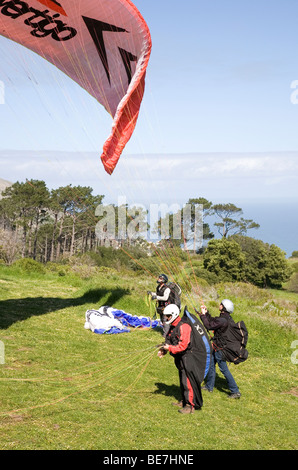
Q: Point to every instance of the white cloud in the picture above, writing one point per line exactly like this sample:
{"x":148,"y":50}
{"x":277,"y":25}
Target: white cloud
{"x":162,"y":177}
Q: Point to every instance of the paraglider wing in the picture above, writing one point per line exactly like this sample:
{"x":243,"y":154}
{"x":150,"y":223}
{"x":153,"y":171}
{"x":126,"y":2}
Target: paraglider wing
{"x":103,"y":45}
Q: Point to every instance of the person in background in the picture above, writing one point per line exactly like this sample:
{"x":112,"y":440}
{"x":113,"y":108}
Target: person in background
{"x":219,"y":325}
{"x":164,"y":297}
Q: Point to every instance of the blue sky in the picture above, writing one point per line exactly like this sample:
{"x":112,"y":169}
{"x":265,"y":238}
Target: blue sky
{"x":218,"y":81}
{"x":216,"y":121}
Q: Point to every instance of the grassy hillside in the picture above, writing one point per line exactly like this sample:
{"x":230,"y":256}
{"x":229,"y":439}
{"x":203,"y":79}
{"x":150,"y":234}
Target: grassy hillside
{"x":64,"y":387}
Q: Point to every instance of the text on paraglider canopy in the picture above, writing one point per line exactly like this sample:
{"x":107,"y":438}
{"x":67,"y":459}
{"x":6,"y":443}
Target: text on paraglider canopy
{"x":42,"y":23}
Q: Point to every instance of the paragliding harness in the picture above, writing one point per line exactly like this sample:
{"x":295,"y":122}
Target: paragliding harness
{"x":232,"y":342}
{"x":201,"y":341}
{"x":175,"y":294}
{"x":174,"y":297}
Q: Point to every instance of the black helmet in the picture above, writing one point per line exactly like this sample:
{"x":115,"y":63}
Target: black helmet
{"x":162,"y":278}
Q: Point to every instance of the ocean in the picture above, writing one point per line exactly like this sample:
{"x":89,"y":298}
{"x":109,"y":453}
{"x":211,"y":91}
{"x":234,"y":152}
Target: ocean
{"x":278,"y":223}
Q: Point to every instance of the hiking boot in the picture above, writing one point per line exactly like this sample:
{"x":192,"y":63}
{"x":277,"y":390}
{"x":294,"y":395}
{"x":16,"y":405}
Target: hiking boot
{"x":187,"y":409}
{"x":207,"y":389}
{"x":235,"y":395}
{"x":178,"y":403}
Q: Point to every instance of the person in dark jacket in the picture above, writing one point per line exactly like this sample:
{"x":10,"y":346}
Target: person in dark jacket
{"x":179,"y":344}
{"x":164,"y":297}
{"x":219,"y":325}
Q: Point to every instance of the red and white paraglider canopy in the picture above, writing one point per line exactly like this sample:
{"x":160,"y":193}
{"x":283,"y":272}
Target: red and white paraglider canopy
{"x":103,"y":45}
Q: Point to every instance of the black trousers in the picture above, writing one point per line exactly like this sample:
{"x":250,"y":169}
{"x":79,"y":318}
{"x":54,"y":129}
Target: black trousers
{"x":190,"y":385}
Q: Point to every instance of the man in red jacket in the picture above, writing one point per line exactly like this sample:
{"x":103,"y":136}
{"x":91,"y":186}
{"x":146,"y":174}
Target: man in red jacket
{"x":180,"y":345}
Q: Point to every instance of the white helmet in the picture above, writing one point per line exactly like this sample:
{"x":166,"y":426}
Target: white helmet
{"x":172,"y":310}
{"x":228,"y":305}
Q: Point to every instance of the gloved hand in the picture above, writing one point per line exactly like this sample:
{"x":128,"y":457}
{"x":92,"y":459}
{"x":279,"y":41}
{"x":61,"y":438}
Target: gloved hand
{"x":163,"y":350}
{"x":153,"y":295}
{"x":204,"y":310}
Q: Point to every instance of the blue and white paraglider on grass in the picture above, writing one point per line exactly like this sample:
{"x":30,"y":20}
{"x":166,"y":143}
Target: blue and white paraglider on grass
{"x":113,"y":321}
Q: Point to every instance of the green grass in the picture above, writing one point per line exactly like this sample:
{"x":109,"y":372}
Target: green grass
{"x":63,"y":387}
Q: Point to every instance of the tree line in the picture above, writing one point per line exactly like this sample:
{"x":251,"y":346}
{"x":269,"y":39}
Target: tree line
{"x":48,"y":225}
{"x":45,"y":225}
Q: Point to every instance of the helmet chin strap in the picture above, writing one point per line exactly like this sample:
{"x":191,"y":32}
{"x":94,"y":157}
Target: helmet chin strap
{"x":169,"y":320}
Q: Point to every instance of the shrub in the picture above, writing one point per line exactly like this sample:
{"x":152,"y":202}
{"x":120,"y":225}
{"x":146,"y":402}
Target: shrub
{"x":29,"y":265}
{"x":209,"y":277}
{"x":293,"y":283}
{"x":225,"y":259}
{"x":294,"y":267}
{"x":60,"y":269}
